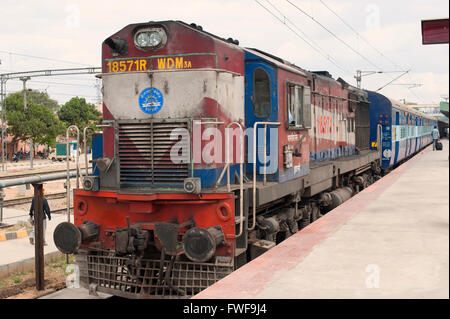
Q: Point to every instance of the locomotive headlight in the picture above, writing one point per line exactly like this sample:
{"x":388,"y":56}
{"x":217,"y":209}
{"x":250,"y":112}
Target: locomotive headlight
{"x":143,"y":39}
{"x":152,"y":38}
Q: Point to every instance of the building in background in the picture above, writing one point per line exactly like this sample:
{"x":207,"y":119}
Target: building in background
{"x":429,"y":109}
{"x":444,"y":108}
{"x":14,"y":147}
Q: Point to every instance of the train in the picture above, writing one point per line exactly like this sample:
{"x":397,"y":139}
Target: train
{"x":211,"y":154}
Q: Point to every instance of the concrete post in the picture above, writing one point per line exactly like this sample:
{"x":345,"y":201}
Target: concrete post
{"x":39,"y":235}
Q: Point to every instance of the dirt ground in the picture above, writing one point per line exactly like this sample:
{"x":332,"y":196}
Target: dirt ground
{"x":22,"y":285}
{"x":20,"y":226}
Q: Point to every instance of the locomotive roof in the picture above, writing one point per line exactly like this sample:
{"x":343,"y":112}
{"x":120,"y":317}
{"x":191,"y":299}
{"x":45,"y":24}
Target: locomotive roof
{"x":277,"y":61}
{"x":361,"y":95}
{"x":193,"y":26}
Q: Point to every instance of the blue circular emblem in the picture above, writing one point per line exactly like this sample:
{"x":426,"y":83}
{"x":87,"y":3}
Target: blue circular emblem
{"x":151,"y":100}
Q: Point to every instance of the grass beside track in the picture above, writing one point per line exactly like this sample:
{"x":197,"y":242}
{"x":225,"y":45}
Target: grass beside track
{"x":23,"y":285}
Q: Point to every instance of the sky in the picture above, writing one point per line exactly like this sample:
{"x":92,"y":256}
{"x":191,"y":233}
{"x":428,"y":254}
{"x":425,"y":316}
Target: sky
{"x":339,"y":36}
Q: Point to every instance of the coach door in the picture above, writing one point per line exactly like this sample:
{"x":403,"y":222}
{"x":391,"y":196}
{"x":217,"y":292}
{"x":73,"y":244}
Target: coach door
{"x":261,"y":106}
{"x":398,"y":136}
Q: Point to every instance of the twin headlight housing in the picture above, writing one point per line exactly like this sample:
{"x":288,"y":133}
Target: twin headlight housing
{"x":150,"y":38}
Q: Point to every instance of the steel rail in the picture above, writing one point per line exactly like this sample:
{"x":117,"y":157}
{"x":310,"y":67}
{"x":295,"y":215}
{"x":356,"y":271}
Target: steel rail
{"x":28,"y":199}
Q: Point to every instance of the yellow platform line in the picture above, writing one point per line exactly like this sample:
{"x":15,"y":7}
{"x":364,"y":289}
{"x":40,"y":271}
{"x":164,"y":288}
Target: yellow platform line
{"x":22,"y":233}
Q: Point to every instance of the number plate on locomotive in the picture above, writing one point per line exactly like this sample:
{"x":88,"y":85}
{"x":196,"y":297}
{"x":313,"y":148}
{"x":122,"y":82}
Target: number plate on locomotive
{"x":164,"y":63}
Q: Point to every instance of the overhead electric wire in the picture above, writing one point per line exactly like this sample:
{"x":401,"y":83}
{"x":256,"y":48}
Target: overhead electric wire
{"x":79,"y":79}
{"x":78,"y":95}
{"x":393,"y":80}
{"x":69,"y":79}
{"x":418,"y":96}
{"x":350,"y":47}
{"x":67,"y":84}
{"x":64,"y":94}
{"x":303,"y":33}
{"x":366,"y":41}
{"x":313,"y":43}
{"x":43,"y":58}
{"x":360,"y":36}
{"x":334,"y":35}
{"x":327,"y":57}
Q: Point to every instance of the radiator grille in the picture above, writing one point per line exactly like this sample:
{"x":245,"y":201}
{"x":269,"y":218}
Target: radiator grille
{"x":144,"y":154}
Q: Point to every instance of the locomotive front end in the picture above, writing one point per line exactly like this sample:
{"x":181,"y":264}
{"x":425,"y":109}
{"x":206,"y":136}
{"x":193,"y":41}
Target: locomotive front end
{"x":155,"y":222}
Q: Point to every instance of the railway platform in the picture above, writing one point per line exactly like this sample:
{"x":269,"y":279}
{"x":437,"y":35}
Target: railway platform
{"x":389,"y":241}
{"x":18,"y":254}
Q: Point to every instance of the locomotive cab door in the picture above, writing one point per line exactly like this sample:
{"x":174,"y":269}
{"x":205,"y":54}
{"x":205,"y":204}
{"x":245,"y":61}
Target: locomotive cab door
{"x":261,"y":106}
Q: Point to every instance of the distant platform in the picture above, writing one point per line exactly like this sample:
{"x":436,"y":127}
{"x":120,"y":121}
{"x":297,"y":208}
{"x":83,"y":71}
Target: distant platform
{"x":389,"y":241}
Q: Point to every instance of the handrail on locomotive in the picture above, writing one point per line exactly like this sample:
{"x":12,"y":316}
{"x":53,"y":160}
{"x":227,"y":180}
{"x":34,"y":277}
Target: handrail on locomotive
{"x":255,"y":125}
{"x":72,"y":127}
{"x":85,"y":146}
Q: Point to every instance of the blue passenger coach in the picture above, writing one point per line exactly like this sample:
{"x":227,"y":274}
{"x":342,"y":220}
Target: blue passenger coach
{"x":405,"y":131}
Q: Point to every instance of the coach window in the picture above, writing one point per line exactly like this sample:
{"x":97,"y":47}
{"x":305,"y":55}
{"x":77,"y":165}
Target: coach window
{"x":298,"y":106}
{"x":261,"y":98}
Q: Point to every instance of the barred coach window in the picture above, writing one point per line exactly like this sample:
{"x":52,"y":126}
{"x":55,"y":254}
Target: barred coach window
{"x":261,"y":99}
{"x":295,"y":105}
{"x":298,"y":106}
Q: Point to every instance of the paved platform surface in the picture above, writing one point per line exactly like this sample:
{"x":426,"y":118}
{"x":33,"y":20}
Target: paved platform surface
{"x":74,"y":293}
{"x":16,"y":250}
{"x":389,"y":241}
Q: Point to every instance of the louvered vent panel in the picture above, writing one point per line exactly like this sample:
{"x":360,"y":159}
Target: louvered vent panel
{"x":144,"y":153}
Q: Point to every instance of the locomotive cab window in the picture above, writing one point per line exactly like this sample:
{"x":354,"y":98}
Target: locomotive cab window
{"x":298,"y":106}
{"x":261,"y":98}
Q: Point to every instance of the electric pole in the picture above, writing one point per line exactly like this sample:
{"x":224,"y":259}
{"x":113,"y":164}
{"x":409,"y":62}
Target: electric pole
{"x":360,"y":74}
{"x":24,"y":79}
{"x":2,"y":94}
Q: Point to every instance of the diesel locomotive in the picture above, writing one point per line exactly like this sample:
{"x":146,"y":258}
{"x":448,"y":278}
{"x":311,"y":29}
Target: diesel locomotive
{"x":211,"y":154}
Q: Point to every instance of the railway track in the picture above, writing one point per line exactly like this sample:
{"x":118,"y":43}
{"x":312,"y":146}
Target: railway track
{"x":61,"y":210}
{"x":3,"y":177}
{"x":54,"y":211}
{"x":28,"y":199}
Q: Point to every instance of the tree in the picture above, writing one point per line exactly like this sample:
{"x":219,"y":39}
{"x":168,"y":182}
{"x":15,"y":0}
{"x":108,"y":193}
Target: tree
{"x":33,"y":97}
{"x":38,"y":122}
{"x":78,"y":112}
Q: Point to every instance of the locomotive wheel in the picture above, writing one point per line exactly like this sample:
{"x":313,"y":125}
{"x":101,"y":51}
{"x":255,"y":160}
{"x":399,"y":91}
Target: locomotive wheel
{"x":315,"y":214}
{"x":305,"y":221}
